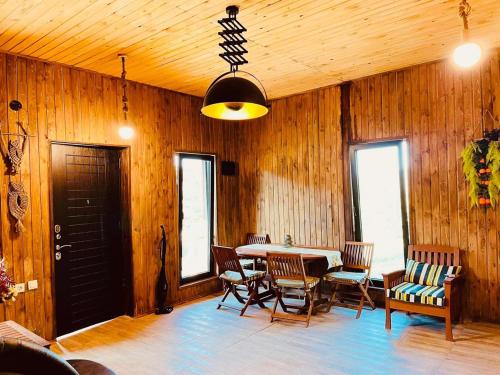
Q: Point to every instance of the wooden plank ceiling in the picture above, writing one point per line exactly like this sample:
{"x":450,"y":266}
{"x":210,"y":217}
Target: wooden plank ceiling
{"x":294,"y":45}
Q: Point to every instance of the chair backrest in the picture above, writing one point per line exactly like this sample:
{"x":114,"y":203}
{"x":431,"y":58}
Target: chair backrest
{"x":358,"y":255}
{"x":435,"y":254}
{"x":286,"y":266}
{"x":254,"y":238}
{"x":22,"y":357}
{"x":227,"y":259}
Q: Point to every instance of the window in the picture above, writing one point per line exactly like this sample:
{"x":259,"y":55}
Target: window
{"x":196,"y":212}
{"x":379,"y":186}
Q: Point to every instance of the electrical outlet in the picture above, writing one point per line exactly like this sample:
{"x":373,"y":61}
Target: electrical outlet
{"x":32,"y":284}
{"x":20,"y":288}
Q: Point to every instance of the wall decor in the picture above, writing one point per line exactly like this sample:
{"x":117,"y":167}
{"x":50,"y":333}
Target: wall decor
{"x":18,"y":204}
{"x":481,"y":165}
{"x":13,"y":151}
{"x":162,"y":283}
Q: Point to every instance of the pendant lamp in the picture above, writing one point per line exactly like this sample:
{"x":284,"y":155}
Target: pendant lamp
{"x":230,"y":96}
{"x":468,"y":53}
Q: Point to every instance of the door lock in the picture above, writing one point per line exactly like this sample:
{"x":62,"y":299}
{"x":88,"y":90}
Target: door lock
{"x":58,"y":255}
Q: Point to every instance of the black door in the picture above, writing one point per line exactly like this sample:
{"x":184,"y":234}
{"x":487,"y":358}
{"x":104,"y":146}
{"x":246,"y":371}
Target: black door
{"x":89,"y":271}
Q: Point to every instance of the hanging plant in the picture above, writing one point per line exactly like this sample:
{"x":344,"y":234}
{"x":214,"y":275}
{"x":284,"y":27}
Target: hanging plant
{"x":481,"y":165}
{"x":493,"y":160}
{"x":470,"y":157}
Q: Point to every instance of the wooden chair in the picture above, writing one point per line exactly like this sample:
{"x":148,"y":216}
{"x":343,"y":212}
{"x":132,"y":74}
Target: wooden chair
{"x":444,"y":301}
{"x":357,"y":262}
{"x":287,"y":272}
{"x":252,"y":239}
{"x":232,"y":275}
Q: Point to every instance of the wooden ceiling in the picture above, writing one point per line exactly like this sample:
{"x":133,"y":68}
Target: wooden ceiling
{"x":294,"y":45}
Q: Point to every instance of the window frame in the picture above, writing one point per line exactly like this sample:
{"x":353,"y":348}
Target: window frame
{"x":404,"y":184}
{"x":179,"y":156}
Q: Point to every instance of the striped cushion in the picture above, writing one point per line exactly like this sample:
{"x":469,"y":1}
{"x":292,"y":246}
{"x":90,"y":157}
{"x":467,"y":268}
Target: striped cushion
{"x":417,"y":293}
{"x":429,"y":274}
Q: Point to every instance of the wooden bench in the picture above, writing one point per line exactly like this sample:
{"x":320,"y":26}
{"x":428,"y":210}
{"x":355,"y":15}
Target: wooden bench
{"x":431,"y":254}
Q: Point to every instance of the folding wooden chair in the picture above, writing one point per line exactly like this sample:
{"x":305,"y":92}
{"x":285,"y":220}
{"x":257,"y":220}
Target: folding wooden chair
{"x":357,"y":262}
{"x":232,"y":275}
{"x":252,"y":239}
{"x":287,"y":272}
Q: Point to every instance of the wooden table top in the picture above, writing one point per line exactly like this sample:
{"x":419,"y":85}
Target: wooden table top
{"x":12,"y":330}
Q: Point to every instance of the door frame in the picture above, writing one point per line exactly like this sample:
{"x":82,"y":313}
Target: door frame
{"x":126,"y":227}
{"x":405,"y":198}
{"x":213,"y":227}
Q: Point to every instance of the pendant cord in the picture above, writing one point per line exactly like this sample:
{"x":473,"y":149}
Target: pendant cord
{"x":464,"y":10}
{"x":124,"y":87}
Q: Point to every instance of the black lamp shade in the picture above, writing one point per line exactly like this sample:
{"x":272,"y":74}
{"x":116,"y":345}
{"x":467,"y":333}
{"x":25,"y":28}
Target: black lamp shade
{"x":234,"y":98}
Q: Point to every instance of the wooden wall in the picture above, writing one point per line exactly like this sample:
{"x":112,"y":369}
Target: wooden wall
{"x":65,"y":104}
{"x":291,"y":167}
{"x":291,"y":170}
{"x":439,"y":109}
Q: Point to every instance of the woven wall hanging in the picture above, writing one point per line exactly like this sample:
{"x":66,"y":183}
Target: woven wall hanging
{"x":18,"y":204}
{"x":13,"y":149}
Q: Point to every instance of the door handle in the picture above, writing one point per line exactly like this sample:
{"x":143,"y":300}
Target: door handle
{"x":59,"y":247}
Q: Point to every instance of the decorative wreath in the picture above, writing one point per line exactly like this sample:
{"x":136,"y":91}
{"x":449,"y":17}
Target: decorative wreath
{"x":481,"y":164}
{"x":18,"y":204}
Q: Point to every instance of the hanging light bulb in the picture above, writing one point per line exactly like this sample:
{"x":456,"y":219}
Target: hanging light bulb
{"x":468,"y":53}
{"x":125,"y":131}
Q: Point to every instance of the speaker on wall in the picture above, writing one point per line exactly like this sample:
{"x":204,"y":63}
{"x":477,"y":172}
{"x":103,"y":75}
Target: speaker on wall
{"x":228,"y":168}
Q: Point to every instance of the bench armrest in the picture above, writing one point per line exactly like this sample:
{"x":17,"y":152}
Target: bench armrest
{"x":394,"y":278}
{"x":452,"y":284}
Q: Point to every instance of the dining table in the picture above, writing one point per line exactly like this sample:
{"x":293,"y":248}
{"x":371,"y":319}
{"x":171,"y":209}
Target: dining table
{"x":318,"y":260}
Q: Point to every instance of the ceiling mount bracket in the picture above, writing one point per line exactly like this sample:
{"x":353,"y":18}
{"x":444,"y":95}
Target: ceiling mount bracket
{"x":232,"y":34}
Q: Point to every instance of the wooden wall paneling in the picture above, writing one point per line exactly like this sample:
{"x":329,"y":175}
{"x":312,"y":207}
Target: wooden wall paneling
{"x":5,"y":242}
{"x":299,"y":188}
{"x":441,"y":109}
{"x":70,"y":105}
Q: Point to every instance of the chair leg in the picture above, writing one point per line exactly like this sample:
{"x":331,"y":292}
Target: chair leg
{"x":448,"y":325}
{"x":332,"y":298}
{"x":275,"y":305}
{"x":256,"y":297}
{"x":387,"y":313}
{"x":249,"y":300}
{"x":311,"y":305}
{"x":228,"y":290}
{"x":364,"y":290}
{"x":361,"y":304}
{"x":364,"y":295}
{"x":236,"y":294}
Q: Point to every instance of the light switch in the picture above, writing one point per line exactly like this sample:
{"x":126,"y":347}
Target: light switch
{"x":32,"y":284}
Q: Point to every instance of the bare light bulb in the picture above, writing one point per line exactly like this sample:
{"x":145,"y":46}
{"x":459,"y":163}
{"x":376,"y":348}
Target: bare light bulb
{"x":467,"y":54}
{"x":126,"y":132}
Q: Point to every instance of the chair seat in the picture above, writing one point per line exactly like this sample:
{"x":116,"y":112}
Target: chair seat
{"x":417,"y":293}
{"x":346,"y":277}
{"x":290,"y":283}
{"x":235,"y":277}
